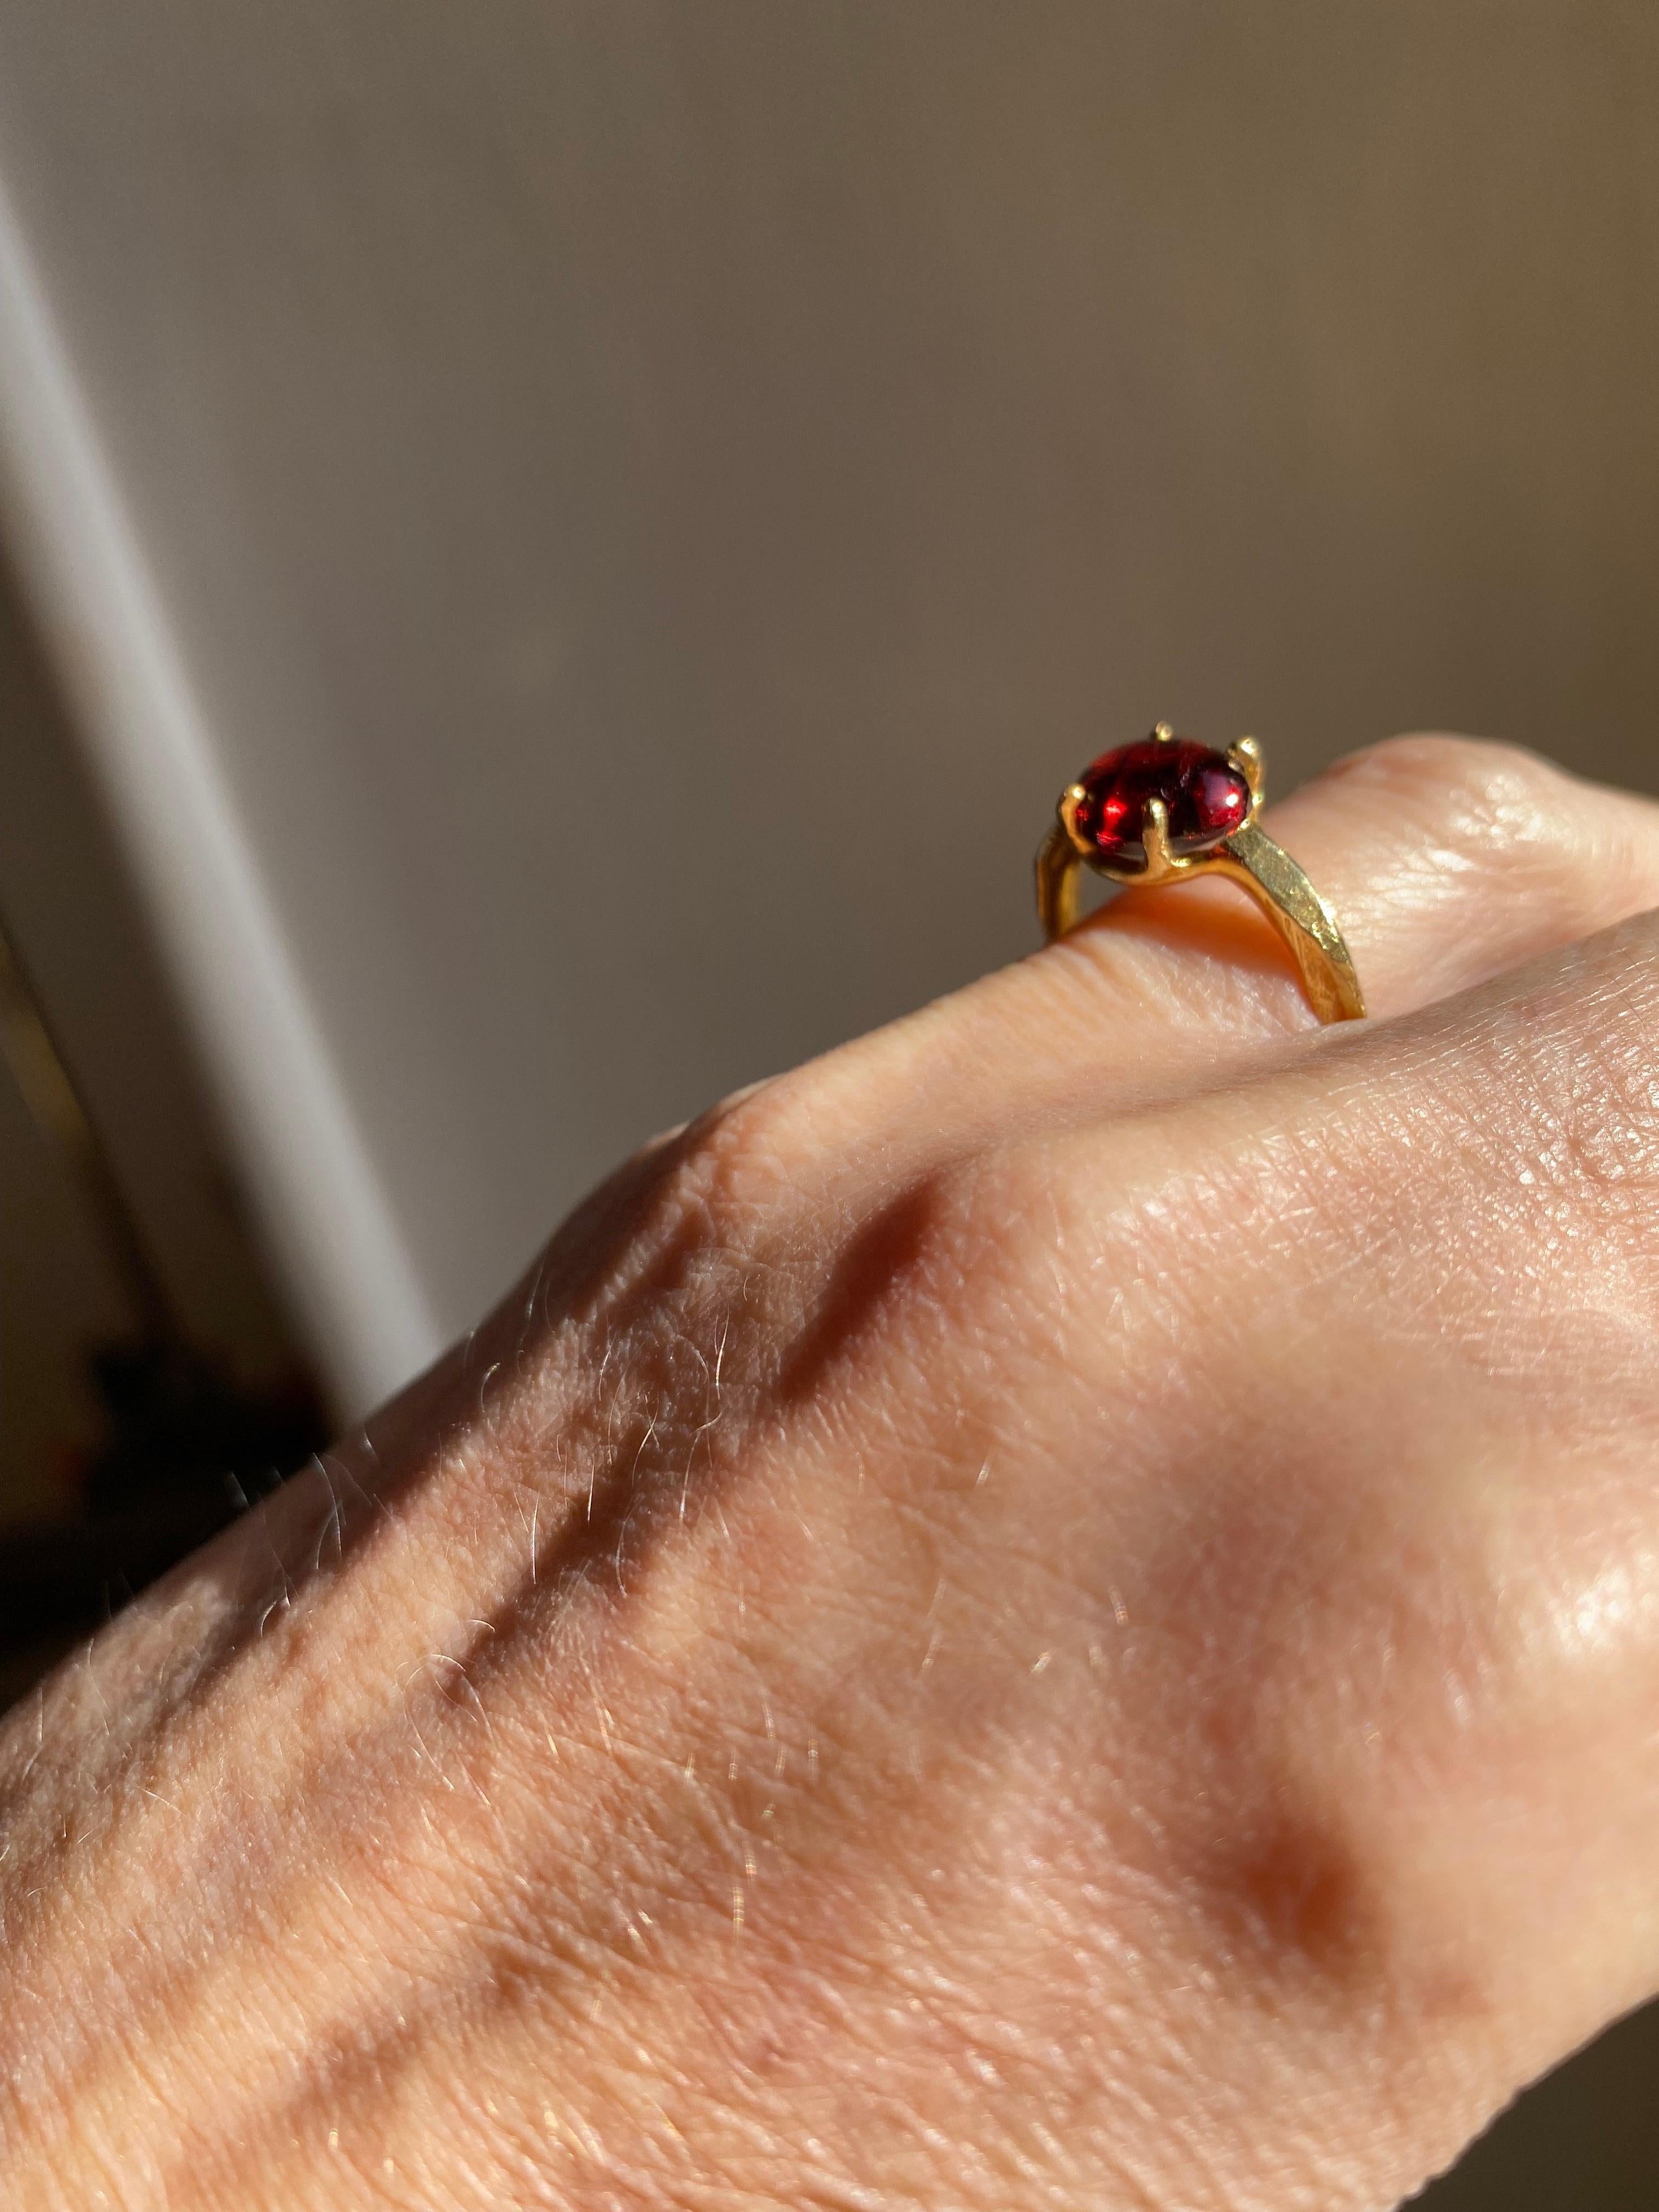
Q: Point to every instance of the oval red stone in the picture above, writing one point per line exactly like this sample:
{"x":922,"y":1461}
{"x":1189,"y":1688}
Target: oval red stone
{"x":1206,"y":797}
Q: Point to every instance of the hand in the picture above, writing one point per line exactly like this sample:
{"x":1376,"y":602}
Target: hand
{"x":1059,"y":1608}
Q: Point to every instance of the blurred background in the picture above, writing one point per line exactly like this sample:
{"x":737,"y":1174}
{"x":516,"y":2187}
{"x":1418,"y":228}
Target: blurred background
{"x":554,"y":557}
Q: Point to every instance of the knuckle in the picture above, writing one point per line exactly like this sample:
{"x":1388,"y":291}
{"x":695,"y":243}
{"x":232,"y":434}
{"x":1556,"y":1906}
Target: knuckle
{"x":807,"y":1133}
{"x":1481,"y":798}
{"x":777,"y":1161}
{"x":701,"y":1223}
{"x":750,"y":1149}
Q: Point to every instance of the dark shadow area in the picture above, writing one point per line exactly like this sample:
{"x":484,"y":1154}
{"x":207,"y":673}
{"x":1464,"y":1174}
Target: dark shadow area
{"x":151,"y":1383}
{"x":188,"y":1448}
{"x":1585,"y":2140}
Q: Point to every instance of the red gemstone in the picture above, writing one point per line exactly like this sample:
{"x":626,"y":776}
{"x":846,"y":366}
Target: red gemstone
{"x":1205,"y":796}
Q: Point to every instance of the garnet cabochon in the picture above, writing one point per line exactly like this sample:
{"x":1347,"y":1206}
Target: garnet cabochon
{"x":1205,"y":798}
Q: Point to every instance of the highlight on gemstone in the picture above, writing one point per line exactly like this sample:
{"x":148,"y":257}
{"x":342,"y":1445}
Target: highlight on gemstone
{"x":1205,"y":798}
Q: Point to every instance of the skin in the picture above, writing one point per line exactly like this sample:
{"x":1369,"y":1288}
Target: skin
{"x":1060,"y":1608}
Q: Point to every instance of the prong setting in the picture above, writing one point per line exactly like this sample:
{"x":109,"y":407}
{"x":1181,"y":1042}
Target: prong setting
{"x":1161,"y":863}
{"x":1247,"y":757}
{"x":1070,"y":800}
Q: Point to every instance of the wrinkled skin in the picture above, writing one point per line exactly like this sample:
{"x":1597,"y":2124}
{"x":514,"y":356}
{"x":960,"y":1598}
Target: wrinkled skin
{"x":1061,"y":1608}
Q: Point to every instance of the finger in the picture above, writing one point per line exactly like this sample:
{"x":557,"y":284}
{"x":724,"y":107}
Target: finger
{"x":1446,"y":861}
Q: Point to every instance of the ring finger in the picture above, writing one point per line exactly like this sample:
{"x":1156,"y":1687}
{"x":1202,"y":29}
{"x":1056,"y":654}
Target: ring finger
{"x":1447,"y":861}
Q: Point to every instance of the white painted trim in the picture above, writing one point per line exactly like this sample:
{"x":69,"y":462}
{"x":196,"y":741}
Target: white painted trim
{"x":321,"y":1203}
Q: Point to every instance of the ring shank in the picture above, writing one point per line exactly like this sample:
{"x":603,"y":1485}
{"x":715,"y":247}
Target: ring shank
{"x":1249,"y":859}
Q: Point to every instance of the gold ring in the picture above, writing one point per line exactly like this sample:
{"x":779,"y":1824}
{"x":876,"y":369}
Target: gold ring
{"x":1167,"y":809}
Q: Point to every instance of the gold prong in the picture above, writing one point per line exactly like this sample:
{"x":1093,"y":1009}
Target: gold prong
{"x":1155,"y":835}
{"x":1164,"y":733}
{"x":1070,"y":800}
{"x":1246,"y":756}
